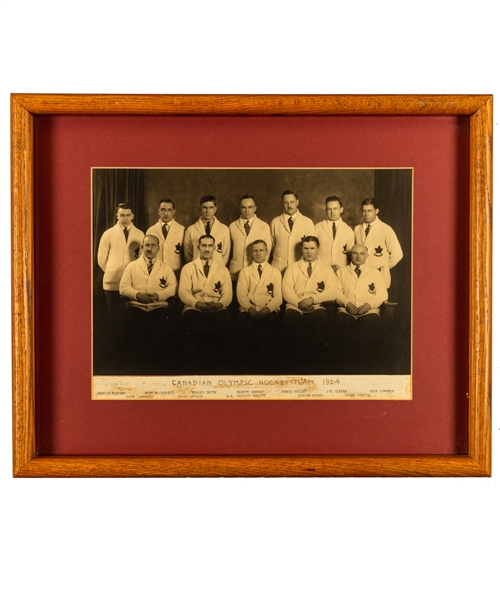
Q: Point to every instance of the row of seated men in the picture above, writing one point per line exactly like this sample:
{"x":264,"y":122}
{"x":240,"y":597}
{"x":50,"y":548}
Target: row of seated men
{"x":308,"y":287}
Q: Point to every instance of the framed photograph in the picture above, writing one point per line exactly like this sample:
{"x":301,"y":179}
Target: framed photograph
{"x":125,"y":366}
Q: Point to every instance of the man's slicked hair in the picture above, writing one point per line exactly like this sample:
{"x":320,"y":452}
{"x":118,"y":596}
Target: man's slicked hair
{"x":309,"y":238}
{"x":151,"y":236}
{"x":333,"y":199}
{"x":370,"y":201}
{"x":124,"y":206}
{"x":259,"y":242}
{"x":247,"y":197}
{"x":206,"y":236}
{"x":208,"y":199}
{"x":168,"y":201}
{"x":287,"y":193}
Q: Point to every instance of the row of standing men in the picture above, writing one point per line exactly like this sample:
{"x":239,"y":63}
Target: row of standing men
{"x":121,"y":244}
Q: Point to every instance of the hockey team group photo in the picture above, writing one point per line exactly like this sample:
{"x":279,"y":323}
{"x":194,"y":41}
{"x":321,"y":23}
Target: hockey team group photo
{"x":252,"y":271}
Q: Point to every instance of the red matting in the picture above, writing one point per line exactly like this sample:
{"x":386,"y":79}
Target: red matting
{"x":69,"y":422}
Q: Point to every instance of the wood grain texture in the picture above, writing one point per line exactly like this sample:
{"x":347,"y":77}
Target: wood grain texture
{"x":478,"y":460}
{"x":109,"y":104}
{"x":480,"y":284}
{"x":23,"y":355}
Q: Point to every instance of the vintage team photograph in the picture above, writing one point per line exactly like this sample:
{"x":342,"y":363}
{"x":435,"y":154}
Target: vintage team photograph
{"x":251,"y":272}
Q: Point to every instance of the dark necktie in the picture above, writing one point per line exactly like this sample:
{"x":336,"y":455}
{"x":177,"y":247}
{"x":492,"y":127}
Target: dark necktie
{"x":309,"y":269}
{"x":290,"y":224}
{"x":334,"y":230}
{"x":206,"y":268}
{"x":357,"y":270}
{"x":259,"y":269}
{"x":207,"y":228}
{"x":164,"y":229}
{"x":125,"y":233}
{"x":367,"y":230}
{"x":150,"y":266}
{"x":247,"y":227}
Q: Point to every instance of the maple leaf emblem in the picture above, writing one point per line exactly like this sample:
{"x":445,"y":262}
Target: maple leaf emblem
{"x":270,"y":289}
{"x":321,"y":286}
{"x":344,"y":249}
{"x":378,"y":251}
{"x":177,"y":248}
{"x":218,"y":287}
{"x":219,"y":247}
{"x":163,"y":282}
{"x":136,"y":253}
{"x":371,"y":288}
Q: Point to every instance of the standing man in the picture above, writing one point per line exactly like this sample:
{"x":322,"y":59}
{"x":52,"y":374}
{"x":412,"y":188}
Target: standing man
{"x":119,"y":245}
{"x":244,"y":231}
{"x":208,"y":224}
{"x":171,"y":235}
{"x":335,"y":237}
{"x":383,"y":247}
{"x":306,"y":285}
{"x":361,"y":292}
{"x":287,"y":231}
{"x":205,"y":289}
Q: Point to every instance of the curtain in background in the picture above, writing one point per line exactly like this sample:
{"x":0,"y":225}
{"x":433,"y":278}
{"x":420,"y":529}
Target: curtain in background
{"x":109,"y":188}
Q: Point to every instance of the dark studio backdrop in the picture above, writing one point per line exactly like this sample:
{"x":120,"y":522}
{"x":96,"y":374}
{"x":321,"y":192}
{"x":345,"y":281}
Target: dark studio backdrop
{"x":143,"y":189}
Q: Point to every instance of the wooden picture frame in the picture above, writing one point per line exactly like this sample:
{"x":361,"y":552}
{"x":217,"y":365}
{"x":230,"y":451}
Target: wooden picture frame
{"x":478,"y":108}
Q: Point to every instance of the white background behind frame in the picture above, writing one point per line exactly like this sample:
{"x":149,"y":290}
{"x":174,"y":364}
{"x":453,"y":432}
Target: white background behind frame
{"x":244,"y":538}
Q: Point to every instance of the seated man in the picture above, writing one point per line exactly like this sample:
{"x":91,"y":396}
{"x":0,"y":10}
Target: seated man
{"x":205,"y":290}
{"x":148,"y":283}
{"x":259,"y":296}
{"x":361,"y":291}
{"x":306,"y":284}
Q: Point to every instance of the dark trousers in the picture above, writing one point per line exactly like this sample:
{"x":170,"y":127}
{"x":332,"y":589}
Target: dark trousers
{"x":358,"y":341}
{"x":304,"y":337}
{"x":207,"y":341}
{"x":147,"y":340}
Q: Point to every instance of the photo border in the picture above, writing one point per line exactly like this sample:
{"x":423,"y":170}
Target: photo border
{"x":479,"y":109}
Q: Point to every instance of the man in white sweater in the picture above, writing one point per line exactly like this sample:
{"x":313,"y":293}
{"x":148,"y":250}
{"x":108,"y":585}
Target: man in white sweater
{"x":287,"y":231}
{"x":244,"y":231}
{"x":384,"y":249}
{"x":205,"y":289}
{"x":118,"y":246}
{"x":148,"y":283}
{"x":361,"y":292}
{"x":208,"y":224}
{"x":171,"y":236}
{"x":306,"y":285}
{"x":335,"y":236}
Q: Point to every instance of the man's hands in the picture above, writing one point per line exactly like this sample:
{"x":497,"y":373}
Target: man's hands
{"x":209,"y":306}
{"x":353,"y":310}
{"x":258,"y":314}
{"x":307,"y":305}
{"x":147,"y":298}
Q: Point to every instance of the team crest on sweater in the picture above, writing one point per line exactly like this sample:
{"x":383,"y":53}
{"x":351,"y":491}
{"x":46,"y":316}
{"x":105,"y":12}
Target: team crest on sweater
{"x":371,"y":288}
{"x":219,"y":247}
{"x":270,"y":289}
{"x":321,"y":286}
{"x":177,"y":248}
{"x":344,"y":249}
{"x":378,"y":251}
{"x":163,"y":283}
{"x":218,"y":287}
